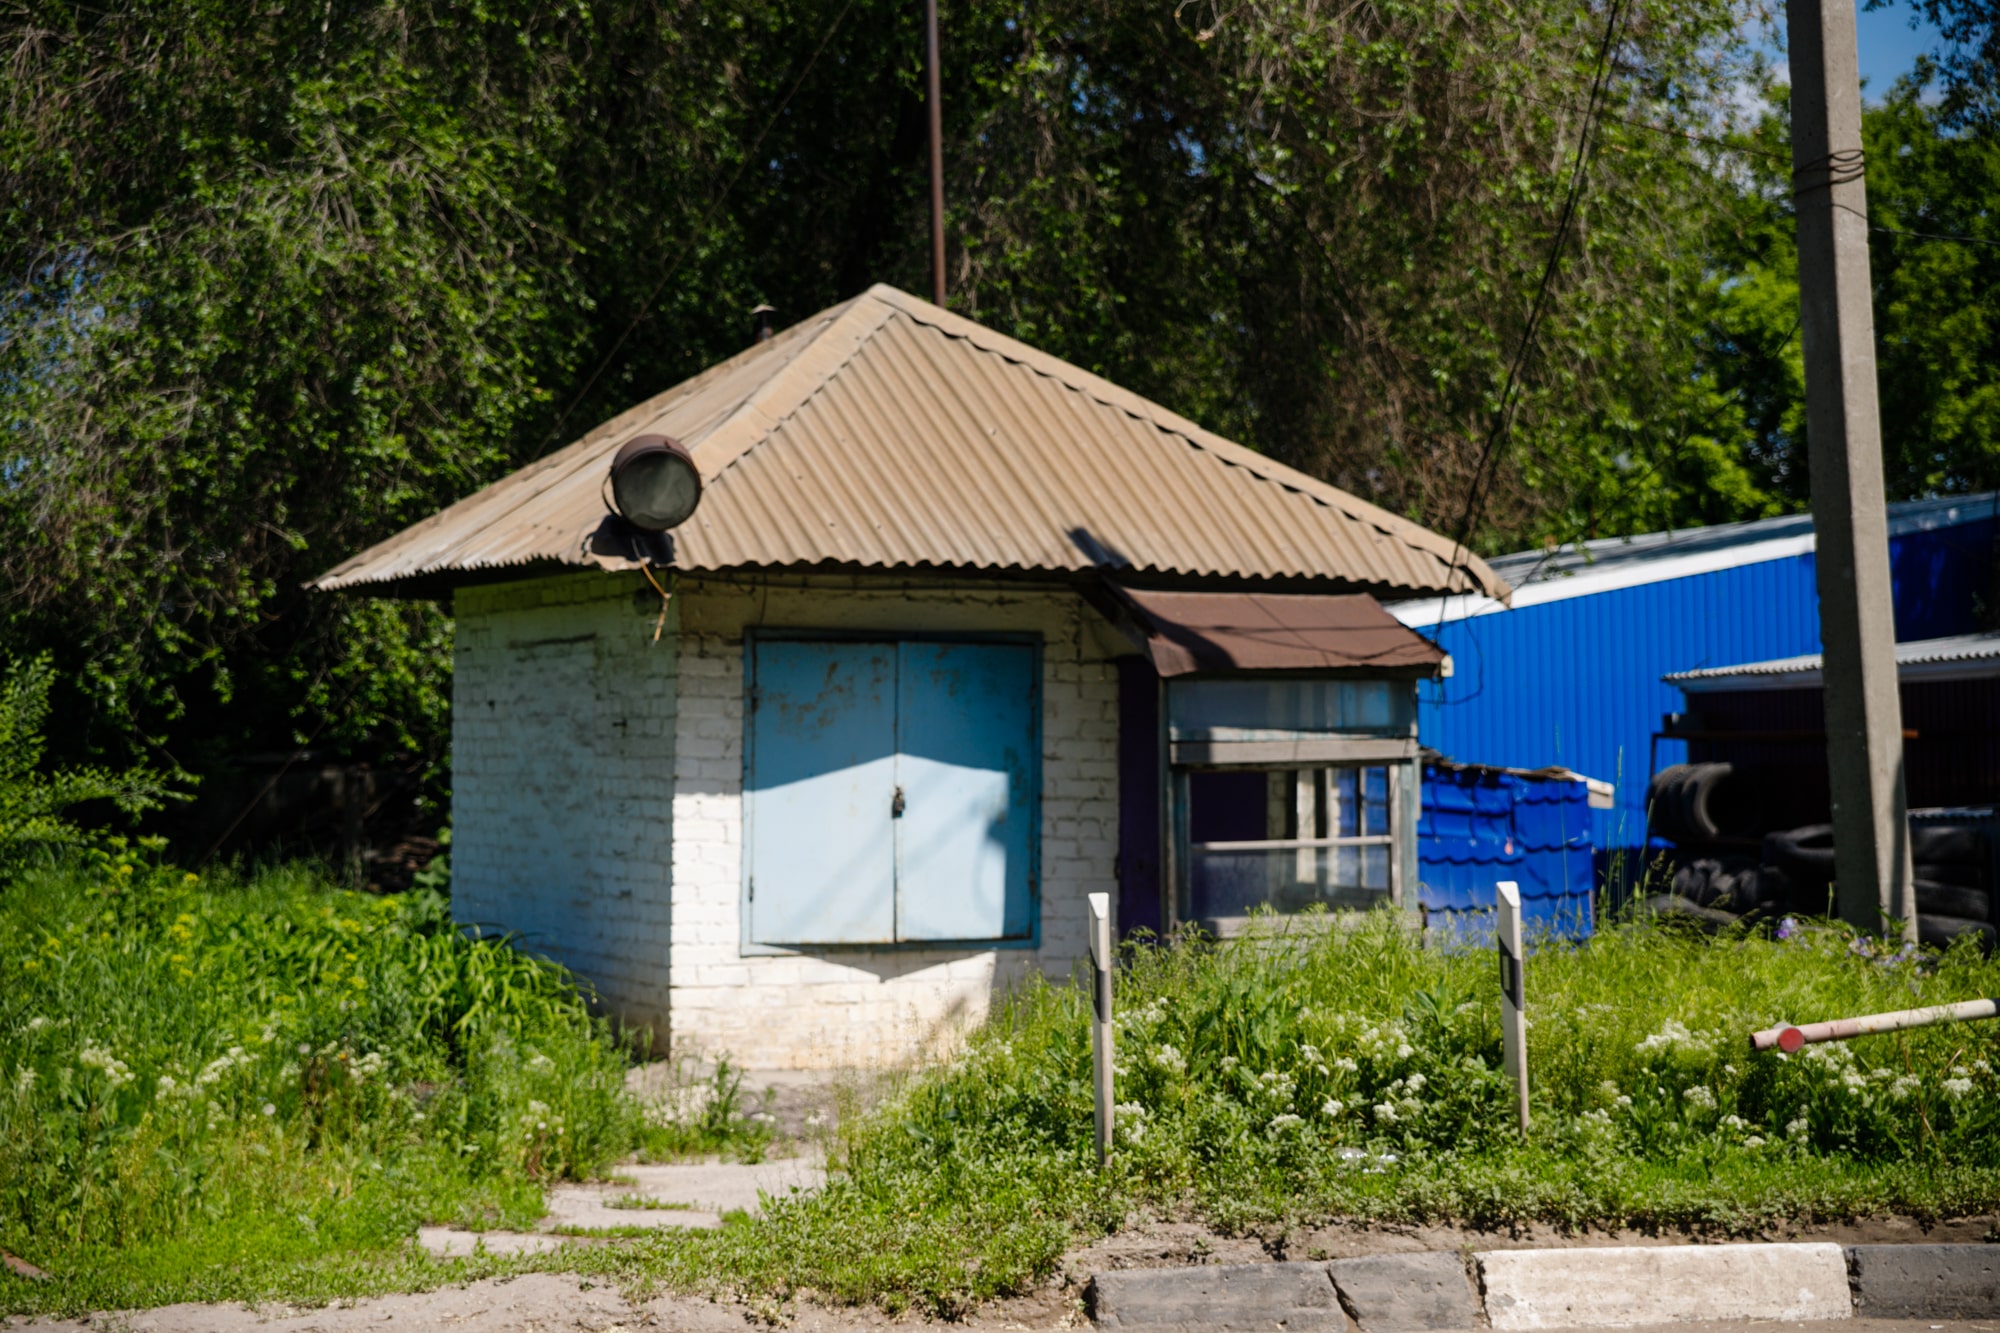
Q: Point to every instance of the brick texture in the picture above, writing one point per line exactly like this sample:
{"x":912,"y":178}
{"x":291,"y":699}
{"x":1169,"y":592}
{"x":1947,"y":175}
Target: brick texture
{"x":598,"y":802}
{"x":563,"y":721}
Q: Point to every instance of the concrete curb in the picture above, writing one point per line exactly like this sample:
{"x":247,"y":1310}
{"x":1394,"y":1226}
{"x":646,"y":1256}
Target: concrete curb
{"x":1513,"y":1290}
{"x":1926,"y":1281}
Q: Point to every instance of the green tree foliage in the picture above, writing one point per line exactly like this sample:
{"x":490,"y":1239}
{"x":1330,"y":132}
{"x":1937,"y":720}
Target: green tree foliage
{"x":1934,"y":251}
{"x":285,"y":277}
{"x":1968,"y":56}
{"x":33,"y":801}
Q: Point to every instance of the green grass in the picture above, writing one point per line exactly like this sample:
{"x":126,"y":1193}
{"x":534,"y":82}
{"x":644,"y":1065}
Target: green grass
{"x":1354,"y":1074}
{"x":227,"y":1087}
{"x":1264,"y":1084}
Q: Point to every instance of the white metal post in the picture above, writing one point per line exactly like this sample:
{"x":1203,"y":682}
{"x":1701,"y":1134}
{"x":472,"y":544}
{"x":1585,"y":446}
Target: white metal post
{"x":1100,"y":966}
{"x":1513,"y":1019}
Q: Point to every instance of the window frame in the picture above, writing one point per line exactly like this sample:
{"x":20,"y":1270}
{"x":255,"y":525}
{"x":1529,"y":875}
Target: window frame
{"x":752,"y":636}
{"x":1270,"y":749}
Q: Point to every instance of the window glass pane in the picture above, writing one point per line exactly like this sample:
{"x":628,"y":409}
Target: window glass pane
{"x":1202,"y":709}
{"x":1232,"y":883}
{"x":1287,"y":805}
{"x":1228,"y":807}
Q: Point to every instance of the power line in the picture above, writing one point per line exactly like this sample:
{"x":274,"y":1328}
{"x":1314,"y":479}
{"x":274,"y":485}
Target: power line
{"x":646,"y":306}
{"x":1503,"y":417}
{"x":1736,"y":146}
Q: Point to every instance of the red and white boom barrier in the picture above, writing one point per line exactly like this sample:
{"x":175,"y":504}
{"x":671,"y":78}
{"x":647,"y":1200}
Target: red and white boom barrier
{"x":1788,"y":1038}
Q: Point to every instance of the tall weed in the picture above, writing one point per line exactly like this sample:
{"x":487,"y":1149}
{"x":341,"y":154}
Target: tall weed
{"x":180,"y":1052}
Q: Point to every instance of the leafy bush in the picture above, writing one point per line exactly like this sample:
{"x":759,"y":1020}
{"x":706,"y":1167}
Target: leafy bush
{"x":32,"y":803}
{"x":180,"y":1053}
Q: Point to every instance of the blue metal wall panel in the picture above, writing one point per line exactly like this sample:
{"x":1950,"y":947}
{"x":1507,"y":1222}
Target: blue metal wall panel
{"x":1479,"y":827}
{"x":1577,"y":682}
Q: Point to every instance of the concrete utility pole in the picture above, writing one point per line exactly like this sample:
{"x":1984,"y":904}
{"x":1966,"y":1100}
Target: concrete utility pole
{"x":936,"y":100}
{"x":1864,"y":714}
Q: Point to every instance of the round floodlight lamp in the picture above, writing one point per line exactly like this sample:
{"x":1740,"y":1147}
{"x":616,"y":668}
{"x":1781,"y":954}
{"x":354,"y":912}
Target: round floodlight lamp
{"x":654,"y":484}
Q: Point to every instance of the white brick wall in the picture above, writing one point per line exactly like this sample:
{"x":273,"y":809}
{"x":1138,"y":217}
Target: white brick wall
{"x":596,"y":776}
{"x":563,"y":720}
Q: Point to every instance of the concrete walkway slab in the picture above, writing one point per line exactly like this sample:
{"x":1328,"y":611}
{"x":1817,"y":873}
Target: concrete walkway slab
{"x":453,"y":1243}
{"x":721,"y":1187}
{"x":1598,"y":1288}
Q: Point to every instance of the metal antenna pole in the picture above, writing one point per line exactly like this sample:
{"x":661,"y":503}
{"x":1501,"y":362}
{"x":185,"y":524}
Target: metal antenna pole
{"x":936,"y":99}
{"x":1864,"y":715}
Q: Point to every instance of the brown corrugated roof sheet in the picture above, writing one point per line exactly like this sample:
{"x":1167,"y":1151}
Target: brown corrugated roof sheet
{"x":886,"y":433}
{"x":1248,"y":631}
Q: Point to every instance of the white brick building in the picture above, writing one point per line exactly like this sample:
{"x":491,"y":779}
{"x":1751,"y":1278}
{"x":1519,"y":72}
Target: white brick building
{"x":958,"y":635}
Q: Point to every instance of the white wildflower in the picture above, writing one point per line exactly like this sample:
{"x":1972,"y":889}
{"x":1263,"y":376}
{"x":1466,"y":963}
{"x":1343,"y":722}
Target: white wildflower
{"x":99,"y":1058}
{"x":1169,"y":1058}
{"x":24,"y":1080}
{"x":1330,"y":1108}
{"x":1416,"y":1082}
{"x":1345,"y":1065}
{"x":269,"y":1109}
{"x":1672,"y":1034}
{"x":1309,"y":1054}
{"x":1623,"y":1099}
{"x":540,"y":1063}
{"x":1732,"y":1122}
{"x":1405,"y":1051}
{"x":167,"y":1085}
{"x":1385,"y":1112}
{"x":1754,"y":1141}
{"x":1796,"y":1129}
{"x":1130,"y":1119}
{"x":37,"y":1023}
{"x":1904,"y":1088}
{"x":1281,"y":1123}
{"x":1957,"y":1087}
{"x":1699,"y":1097}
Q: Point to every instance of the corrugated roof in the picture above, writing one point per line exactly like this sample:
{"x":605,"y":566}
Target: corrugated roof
{"x":1584,"y":568}
{"x":886,"y":433}
{"x":1963,"y":656}
{"x":1183,"y":632}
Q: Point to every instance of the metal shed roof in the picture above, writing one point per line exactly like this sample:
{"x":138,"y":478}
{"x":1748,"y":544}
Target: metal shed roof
{"x":1184,"y":632}
{"x":886,"y":433}
{"x":1581,"y":569}
{"x":1961,"y":657}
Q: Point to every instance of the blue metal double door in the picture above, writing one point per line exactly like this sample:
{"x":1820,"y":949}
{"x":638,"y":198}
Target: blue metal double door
{"x":891,"y":792}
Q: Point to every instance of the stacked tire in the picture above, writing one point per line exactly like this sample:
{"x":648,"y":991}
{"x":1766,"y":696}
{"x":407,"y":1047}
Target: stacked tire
{"x":1954,"y":874}
{"x":1713,"y":813}
{"x":1692,"y":804}
{"x":1710,"y":811}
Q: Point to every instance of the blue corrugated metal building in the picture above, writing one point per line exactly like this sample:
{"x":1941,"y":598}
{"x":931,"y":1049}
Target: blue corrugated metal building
{"x":1570,"y":674}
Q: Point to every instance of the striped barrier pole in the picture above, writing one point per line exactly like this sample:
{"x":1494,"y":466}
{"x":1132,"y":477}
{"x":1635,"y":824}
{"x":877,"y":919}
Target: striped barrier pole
{"x":1101,"y":959}
{"x":1787,"y":1038}
{"x":1513,"y":1018}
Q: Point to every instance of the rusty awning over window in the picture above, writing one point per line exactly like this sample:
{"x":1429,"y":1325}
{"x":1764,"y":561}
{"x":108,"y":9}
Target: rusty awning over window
{"x":1187,"y":632}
